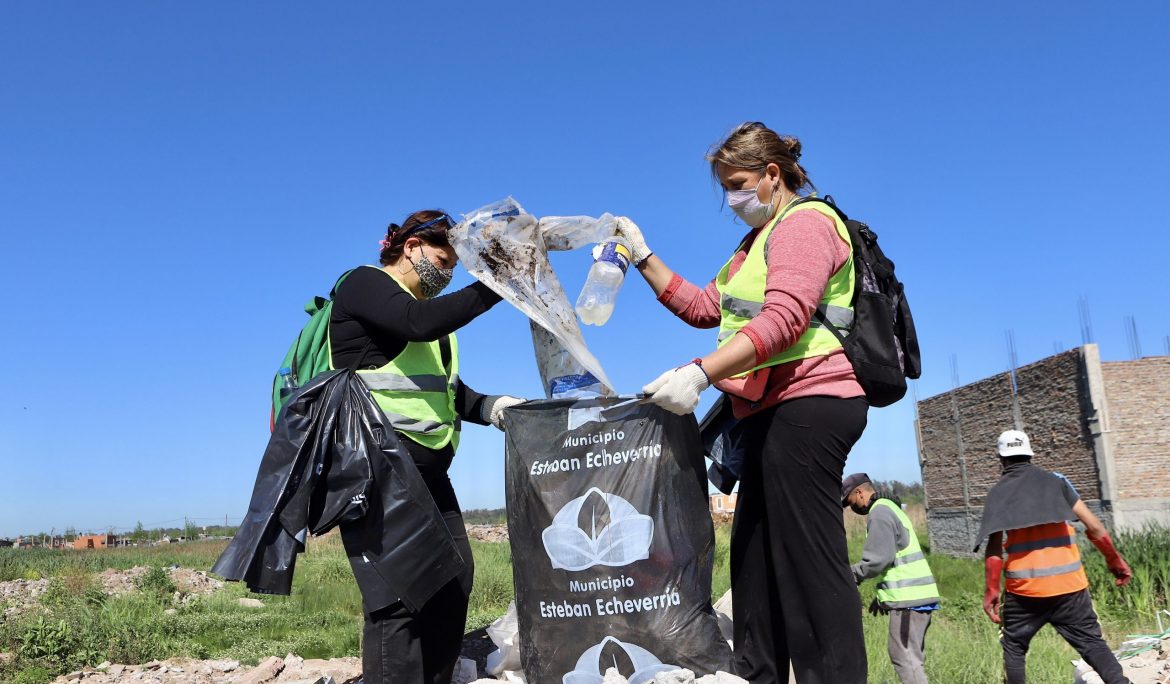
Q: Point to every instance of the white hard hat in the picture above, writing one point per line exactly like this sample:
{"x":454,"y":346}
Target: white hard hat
{"x":1014,"y":443}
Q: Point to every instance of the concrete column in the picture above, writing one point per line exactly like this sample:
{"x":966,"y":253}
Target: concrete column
{"x":1097,"y":418}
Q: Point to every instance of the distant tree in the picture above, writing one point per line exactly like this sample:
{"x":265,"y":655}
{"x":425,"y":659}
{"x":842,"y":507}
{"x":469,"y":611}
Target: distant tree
{"x":139,"y":533}
{"x":70,"y":534}
{"x":907,"y":493}
{"x":485,"y":516}
{"x":190,"y":529}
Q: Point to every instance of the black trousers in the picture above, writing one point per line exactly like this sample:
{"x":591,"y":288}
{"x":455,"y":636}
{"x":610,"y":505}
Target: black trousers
{"x":401,"y":647}
{"x":795,"y":600}
{"x":1072,"y":616}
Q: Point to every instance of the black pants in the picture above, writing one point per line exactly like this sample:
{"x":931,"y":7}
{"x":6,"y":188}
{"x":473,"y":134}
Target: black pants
{"x":1069,"y":614}
{"x":401,"y":647}
{"x":794,"y":597}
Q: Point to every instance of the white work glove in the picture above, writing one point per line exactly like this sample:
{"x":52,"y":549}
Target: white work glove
{"x":628,"y":231}
{"x":492,"y":408}
{"x":677,"y":390}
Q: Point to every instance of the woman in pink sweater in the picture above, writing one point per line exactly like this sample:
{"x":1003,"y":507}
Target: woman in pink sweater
{"x":800,"y":407}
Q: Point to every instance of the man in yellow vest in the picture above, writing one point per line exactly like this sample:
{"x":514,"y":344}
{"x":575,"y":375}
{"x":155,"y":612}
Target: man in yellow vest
{"x":905,"y":585}
{"x":1046,"y":583}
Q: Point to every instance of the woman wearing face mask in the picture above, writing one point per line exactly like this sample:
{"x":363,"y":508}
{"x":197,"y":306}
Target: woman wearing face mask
{"x":800,"y":407}
{"x":391,"y":324}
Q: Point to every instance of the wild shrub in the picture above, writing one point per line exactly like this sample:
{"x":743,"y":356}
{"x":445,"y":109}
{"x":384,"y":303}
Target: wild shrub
{"x":75,"y":589}
{"x":155,"y":580}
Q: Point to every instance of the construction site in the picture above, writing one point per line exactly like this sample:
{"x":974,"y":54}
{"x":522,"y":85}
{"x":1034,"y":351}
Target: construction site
{"x":1103,"y":425}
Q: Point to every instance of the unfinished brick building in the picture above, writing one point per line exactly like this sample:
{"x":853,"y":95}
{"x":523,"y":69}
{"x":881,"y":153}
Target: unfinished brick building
{"x":94,"y":541}
{"x":1105,"y":426}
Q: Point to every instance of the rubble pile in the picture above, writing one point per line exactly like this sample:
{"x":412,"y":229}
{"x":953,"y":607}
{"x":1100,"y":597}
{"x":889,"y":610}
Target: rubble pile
{"x":488,"y":533}
{"x":288,"y":670}
{"x":17,"y":595}
{"x":187,"y":581}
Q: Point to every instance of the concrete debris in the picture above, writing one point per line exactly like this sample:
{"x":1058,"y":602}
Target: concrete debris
{"x":675,"y":677}
{"x":290,"y":670}
{"x":1150,"y":666}
{"x":250,"y":603}
{"x":16,"y":596}
{"x":264,"y":672}
{"x":488,"y":533}
{"x":223,"y":665}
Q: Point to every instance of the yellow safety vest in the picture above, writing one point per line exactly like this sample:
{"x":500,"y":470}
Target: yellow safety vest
{"x":417,"y":392}
{"x":741,"y":298}
{"x":908,"y":582}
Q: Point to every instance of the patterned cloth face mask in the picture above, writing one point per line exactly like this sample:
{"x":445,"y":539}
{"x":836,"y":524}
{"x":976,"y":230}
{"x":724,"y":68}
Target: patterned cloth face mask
{"x":432,"y":279}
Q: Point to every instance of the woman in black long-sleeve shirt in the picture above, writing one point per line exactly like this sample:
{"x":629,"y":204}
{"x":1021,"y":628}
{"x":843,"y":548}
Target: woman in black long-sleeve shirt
{"x":391,"y":326}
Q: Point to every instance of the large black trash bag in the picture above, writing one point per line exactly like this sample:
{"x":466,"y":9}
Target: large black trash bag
{"x":612,"y":542}
{"x":332,"y":460}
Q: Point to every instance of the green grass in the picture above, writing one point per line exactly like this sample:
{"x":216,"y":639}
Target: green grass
{"x":75,"y":625}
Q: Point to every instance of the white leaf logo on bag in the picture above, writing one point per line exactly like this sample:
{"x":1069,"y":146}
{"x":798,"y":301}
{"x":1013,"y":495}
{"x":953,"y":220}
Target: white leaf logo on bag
{"x":635,"y":663}
{"x":598,"y":529}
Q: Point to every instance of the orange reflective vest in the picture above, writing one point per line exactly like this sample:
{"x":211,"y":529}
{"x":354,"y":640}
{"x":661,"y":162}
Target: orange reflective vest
{"x":1043,"y":560}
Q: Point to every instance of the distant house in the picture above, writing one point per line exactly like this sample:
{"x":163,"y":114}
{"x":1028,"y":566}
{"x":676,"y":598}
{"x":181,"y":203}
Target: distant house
{"x":724,"y":503}
{"x":95,"y":541}
{"x":6,"y":543}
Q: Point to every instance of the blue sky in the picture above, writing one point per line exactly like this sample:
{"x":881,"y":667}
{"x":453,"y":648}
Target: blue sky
{"x":177,"y":180}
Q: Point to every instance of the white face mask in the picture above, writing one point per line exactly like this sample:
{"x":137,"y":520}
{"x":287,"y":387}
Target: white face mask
{"x":747,"y":206}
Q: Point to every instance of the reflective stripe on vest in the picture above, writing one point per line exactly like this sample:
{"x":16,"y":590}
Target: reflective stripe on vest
{"x":1043,"y":560}
{"x":390,"y":381}
{"x":838,"y":316}
{"x":416,"y":391}
{"x":908,"y":582}
{"x":742,"y":296}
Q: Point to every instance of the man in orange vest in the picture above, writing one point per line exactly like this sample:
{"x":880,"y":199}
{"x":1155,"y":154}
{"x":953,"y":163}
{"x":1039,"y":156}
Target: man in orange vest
{"x":1045,"y":583}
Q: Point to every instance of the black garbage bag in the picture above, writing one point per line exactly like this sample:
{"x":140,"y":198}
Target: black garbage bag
{"x":332,"y":460}
{"x":612,"y":542}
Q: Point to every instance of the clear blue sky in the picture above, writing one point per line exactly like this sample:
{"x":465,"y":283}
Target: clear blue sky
{"x":177,"y":180}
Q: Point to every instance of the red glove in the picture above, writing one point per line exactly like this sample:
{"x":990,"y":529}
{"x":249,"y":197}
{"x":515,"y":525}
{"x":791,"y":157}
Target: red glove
{"x":1113,"y":559}
{"x":993,"y":568}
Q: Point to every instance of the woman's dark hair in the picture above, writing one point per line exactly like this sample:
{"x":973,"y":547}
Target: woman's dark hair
{"x":433,"y":234}
{"x":752,"y":145}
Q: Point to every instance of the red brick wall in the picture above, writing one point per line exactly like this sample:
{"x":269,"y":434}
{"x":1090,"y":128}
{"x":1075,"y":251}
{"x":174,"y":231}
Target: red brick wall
{"x":1054,"y":416}
{"x":1138,"y":395}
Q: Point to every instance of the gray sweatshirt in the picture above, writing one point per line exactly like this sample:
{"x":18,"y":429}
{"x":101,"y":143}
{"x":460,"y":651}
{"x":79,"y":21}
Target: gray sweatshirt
{"x":884,"y":538}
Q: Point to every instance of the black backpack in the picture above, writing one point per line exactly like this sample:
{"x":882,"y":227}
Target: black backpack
{"x":882,"y":345}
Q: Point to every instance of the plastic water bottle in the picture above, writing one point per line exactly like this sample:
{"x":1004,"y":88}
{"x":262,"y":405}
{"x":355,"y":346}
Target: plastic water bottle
{"x":288,"y":384}
{"x":610,"y":261}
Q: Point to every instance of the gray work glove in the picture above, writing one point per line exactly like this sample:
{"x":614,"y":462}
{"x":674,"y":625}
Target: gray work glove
{"x":492,"y":408}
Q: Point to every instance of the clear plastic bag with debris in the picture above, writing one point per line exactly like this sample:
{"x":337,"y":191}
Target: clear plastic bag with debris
{"x":506,"y":248}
